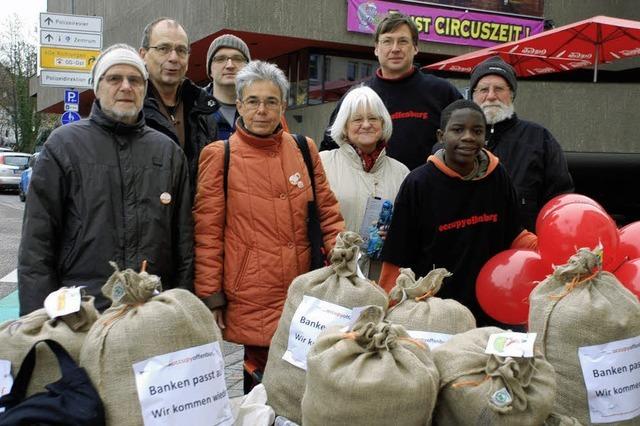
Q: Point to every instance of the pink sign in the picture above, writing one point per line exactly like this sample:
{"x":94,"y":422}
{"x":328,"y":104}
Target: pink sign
{"x":440,"y":25}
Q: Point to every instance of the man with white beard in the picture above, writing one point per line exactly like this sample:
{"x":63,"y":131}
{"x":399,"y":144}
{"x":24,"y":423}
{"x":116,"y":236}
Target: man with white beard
{"x":530,"y":153}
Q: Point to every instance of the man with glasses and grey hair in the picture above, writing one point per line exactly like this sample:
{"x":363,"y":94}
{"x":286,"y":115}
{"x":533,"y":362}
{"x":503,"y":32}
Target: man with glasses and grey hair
{"x":106,"y":188}
{"x":174,"y":105}
{"x":532,"y":156}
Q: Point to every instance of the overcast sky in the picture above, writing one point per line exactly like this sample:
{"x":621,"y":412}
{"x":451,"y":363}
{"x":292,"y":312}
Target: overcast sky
{"x":28,"y":10}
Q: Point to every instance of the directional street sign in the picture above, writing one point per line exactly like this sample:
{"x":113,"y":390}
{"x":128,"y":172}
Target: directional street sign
{"x":70,"y":39}
{"x":57,"y":21}
{"x":69,"y":117}
{"x":67,"y":59}
{"x":65,"y":78}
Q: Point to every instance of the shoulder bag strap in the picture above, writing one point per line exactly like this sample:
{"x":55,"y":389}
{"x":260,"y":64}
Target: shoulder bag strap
{"x":306,"y":155}
{"x":227,"y":158}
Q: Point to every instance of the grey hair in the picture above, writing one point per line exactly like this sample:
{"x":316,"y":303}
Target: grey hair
{"x":146,"y":34}
{"x":261,"y":71}
{"x":362,"y":97}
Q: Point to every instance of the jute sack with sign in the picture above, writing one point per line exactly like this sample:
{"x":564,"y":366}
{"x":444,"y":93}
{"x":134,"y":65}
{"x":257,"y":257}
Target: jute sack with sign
{"x":374,"y":374}
{"x":18,"y":336}
{"x":337,"y":283}
{"x":579,"y":305}
{"x":483,"y":389}
{"x":141,"y":323}
{"x":417,"y":308}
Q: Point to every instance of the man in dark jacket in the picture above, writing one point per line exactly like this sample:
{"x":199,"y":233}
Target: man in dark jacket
{"x":534,"y":159}
{"x":174,"y":105}
{"x":414,"y":99}
{"x":106,"y":188}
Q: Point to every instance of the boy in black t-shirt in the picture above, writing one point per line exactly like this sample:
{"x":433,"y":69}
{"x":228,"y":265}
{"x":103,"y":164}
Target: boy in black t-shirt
{"x":455,"y":212}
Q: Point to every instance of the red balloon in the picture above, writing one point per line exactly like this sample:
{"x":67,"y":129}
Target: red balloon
{"x":505,"y":282}
{"x":563,"y":200}
{"x":572,"y":226}
{"x":630,"y":241}
{"x":629,"y":275}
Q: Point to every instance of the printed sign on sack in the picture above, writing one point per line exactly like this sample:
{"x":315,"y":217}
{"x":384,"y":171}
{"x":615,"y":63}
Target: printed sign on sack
{"x":185,"y":387}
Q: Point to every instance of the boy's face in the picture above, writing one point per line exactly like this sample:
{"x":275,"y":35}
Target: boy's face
{"x":463,"y":138}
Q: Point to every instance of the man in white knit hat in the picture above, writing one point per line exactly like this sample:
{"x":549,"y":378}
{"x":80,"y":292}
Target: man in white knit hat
{"x":106,"y":188}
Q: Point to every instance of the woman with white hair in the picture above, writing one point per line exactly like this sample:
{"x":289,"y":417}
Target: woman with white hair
{"x":251,"y":221}
{"x":359,"y":172}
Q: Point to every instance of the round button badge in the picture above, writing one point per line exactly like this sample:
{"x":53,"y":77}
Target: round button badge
{"x":165,"y":198}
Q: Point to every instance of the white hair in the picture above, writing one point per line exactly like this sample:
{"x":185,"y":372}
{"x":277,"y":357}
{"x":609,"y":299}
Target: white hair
{"x":262,"y":71}
{"x":364,"y":98}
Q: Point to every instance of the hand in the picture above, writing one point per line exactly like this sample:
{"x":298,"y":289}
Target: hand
{"x":383,"y":233}
{"x":218,"y":315}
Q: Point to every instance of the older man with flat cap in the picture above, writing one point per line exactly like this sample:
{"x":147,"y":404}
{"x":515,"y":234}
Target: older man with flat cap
{"x":106,"y":188}
{"x":532,"y":156}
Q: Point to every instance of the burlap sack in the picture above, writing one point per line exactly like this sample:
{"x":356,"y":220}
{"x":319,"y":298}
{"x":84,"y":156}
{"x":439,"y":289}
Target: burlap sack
{"x":338,"y":284}
{"x":560,"y":420}
{"x":373,"y":375}
{"x":579,"y":305}
{"x":141,"y":323}
{"x":418,"y":309}
{"x":18,"y":336}
{"x":473,"y":383}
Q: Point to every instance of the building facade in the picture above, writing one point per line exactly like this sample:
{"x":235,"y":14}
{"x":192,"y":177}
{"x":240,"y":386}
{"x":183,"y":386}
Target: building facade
{"x":311,"y":42}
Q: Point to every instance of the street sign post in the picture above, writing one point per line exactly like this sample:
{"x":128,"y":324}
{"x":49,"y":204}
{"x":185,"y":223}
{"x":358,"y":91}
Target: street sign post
{"x":70,"y":39}
{"x":58,"y":21}
{"x":65,"y":78}
{"x":71,"y":100}
{"x":69,"y":117}
{"x":69,"y":48}
{"x":56,"y":58}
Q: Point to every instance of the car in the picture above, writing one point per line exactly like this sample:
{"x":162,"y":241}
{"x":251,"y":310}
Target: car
{"x":23,"y":188}
{"x":12,"y":164}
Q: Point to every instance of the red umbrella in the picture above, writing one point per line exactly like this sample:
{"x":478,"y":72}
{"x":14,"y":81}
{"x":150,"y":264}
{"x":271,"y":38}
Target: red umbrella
{"x":594,"y":41}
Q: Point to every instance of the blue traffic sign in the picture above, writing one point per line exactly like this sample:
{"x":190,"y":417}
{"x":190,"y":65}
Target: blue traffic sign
{"x":69,"y":117}
{"x":71,"y":97}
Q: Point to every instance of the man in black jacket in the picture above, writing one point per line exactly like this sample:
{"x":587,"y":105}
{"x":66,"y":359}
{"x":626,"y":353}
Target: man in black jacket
{"x":534,"y":159}
{"x":414,"y":99}
{"x":174,"y":105}
{"x":106,"y":188}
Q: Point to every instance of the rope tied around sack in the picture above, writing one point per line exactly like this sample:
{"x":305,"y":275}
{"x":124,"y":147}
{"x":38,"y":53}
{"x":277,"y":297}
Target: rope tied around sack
{"x":344,"y":256}
{"x":374,"y":334}
{"x":408,"y":287}
{"x":583,"y":266}
{"x":468,"y":383}
{"x":129,"y":287}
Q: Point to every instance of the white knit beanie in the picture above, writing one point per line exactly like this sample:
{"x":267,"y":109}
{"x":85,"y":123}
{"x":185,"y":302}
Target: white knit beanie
{"x":118,"y":54}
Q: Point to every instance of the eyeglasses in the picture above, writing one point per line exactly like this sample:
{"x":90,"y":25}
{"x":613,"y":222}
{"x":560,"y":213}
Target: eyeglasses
{"x":269,"y":103}
{"x":235,"y":59}
{"x":117,"y":79}
{"x":166,"y":49}
{"x":483,"y":91}
{"x":359,"y":121}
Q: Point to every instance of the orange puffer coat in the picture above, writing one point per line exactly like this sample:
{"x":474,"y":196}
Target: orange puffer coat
{"x":247,"y":254}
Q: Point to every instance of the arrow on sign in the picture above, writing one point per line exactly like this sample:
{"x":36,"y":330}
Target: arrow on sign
{"x":48,"y":20}
{"x":48,"y":37}
{"x":91,"y":60}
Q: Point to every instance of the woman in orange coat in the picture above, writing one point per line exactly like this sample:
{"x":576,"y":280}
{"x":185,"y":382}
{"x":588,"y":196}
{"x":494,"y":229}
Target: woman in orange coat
{"x":249,"y":247}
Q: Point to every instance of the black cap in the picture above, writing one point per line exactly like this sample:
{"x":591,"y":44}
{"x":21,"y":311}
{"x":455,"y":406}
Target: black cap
{"x":494,"y":65}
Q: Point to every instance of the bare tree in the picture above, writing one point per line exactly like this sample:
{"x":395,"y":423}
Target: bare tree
{"x":18,"y":62}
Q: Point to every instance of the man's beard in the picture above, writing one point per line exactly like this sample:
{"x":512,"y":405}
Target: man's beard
{"x":497,"y":111}
{"x":128,"y":117}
